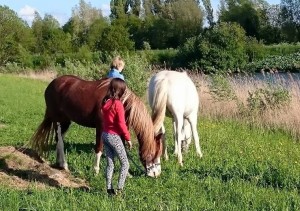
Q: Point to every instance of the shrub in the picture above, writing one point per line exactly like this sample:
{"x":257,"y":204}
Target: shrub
{"x":254,"y":49}
{"x":279,"y":63}
{"x":136,"y":72}
{"x":161,"y":58}
{"x":146,"y":45}
{"x":220,"y":88}
{"x":86,"y":70}
{"x":221,"y":48}
{"x":271,"y":97}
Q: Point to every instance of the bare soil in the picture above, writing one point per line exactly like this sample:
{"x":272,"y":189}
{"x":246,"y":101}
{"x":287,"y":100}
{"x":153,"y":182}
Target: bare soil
{"x":23,"y":168}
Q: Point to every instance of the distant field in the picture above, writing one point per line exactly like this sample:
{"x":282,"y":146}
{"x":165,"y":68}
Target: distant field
{"x":242,"y":168}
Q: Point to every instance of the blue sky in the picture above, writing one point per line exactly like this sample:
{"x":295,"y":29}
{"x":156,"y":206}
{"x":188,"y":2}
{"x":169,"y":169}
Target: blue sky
{"x":62,"y":9}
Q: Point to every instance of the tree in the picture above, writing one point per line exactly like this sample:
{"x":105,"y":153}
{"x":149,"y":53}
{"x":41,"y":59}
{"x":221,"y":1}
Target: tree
{"x":16,"y":38}
{"x":172,"y":21}
{"x":152,"y":7}
{"x":118,"y":9}
{"x":133,"y":7}
{"x":209,"y":12}
{"x":290,"y":19}
{"x":83,"y":16}
{"x":220,"y":48}
{"x":270,"y":31}
{"x":95,"y":33}
{"x":243,"y":13}
{"x":50,"y":38}
{"x":115,"y":38}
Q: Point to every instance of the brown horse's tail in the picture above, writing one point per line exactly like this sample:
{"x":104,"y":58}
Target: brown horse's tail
{"x":43,"y":136}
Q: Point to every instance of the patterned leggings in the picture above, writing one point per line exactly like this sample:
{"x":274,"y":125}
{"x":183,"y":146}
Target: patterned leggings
{"x":113,"y":146}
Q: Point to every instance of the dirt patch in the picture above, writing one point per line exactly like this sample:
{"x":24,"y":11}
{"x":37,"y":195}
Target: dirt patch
{"x":23,"y":168}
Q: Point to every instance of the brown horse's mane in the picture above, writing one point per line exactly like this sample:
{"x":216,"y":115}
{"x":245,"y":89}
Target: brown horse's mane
{"x":140,"y":120}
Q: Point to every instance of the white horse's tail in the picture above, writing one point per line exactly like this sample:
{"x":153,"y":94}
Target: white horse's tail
{"x":159,"y":104}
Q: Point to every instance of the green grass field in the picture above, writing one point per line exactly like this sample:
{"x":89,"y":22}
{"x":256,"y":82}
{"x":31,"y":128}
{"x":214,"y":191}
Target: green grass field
{"x":242,"y":168}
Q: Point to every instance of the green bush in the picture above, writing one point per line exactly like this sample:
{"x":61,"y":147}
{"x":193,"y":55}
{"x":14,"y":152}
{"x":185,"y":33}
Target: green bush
{"x":276,"y":63}
{"x":220,"y":88}
{"x":43,"y":61}
{"x":86,"y":70}
{"x":221,"y":48}
{"x":161,"y":58}
{"x":281,"y":49}
{"x":136,"y":72}
{"x":271,"y":97}
{"x":255,"y":50}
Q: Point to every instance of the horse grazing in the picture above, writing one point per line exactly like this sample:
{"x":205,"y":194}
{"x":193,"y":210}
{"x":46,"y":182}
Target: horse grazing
{"x":69,"y":98}
{"x":173,"y":93}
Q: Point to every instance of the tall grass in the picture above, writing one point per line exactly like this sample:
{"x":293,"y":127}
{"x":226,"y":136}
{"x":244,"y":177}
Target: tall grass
{"x":236,"y":106}
{"x":242,"y":169}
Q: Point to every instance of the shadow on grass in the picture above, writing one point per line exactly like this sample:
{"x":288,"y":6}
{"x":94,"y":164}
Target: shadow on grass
{"x":78,"y":148}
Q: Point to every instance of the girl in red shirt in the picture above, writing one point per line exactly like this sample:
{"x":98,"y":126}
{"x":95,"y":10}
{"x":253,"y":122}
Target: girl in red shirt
{"x":114,"y":127}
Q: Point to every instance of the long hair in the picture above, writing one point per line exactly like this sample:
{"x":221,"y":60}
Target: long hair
{"x":115,"y":90}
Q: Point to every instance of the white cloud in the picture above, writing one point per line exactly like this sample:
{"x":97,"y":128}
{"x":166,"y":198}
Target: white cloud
{"x":27,"y":13}
{"x":105,"y":8}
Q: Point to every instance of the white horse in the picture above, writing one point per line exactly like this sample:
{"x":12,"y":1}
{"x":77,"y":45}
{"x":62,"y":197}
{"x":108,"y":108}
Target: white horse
{"x":175,"y":93}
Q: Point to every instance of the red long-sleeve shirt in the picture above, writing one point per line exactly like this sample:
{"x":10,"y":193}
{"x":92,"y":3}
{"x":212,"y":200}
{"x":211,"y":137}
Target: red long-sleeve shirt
{"x":113,"y":116}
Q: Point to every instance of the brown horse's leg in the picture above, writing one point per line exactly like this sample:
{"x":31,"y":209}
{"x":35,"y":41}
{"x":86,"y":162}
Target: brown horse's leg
{"x":98,"y":150}
{"x":60,"y":130}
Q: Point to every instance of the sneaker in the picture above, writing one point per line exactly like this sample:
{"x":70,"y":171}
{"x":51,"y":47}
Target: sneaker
{"x":111,"y":192}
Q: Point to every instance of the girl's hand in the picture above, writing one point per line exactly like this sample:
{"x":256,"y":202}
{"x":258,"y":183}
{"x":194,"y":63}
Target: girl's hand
{"x":129,"y":144}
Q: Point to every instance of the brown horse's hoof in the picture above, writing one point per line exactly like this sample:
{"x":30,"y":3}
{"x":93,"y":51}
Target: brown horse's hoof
{"x":59,"y":167}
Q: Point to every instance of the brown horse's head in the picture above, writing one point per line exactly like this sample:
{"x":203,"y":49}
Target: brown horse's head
{"x":151,"y":158}
{"x":150,"y":145}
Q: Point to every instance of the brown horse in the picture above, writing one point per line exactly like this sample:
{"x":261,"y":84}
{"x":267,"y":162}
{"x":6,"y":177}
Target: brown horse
{"x":69,"y":98}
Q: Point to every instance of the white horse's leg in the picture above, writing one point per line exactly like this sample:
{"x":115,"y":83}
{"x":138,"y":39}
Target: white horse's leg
{"x":193,"y":121}
{"x":97,"y":162}
{"x":175,"y":137}
{"x":187,"y":134}
{"x":60,"y":155}
{"x":165,"y":148}
{"x":179,"y":124}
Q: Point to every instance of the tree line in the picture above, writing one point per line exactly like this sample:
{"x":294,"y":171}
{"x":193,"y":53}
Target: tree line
{"x":143,"y":25}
